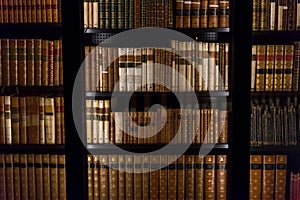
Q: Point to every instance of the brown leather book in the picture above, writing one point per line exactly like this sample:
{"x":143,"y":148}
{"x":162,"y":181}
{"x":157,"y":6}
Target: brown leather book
{"x":2,"y":121}
{"x":280,"y":177}
{"x":56,"y":63}
{"x":24,"y":176}
{"x":223,"y":126}
{"x":63,"y":121}
{"x":21,"y":62}
{"x":95,"y":178}
{"x":49,"y":13}
{"x":104,"y":178}
{"x":46,"y":176}
{"x":45,"y":62}
{"x":26,"y":70}
{"x":23,"y":126}
{"x":16,"y":175}
{"x":58,"y":112}
{"x":268,"y":176}
{"x":187,"y":6}
{"x":137,"y":177}
{"x":13,"y":61}
{"x":42,"y":120}
{"x":145,"y":177}
{"x":279,"y":67}
{"x":62,"y":192}
{"x":15,"y":120}
{"x":255,"y":176}
{"x":90,"y":172}
{"x":50,"y":121}
{"x":106,"y":121}
{"x":253,"y":67}
{"x":44,"y":11}
{"x":121,"y":177}
{"x":179,"y":13}
{"x":160,"y":13}
{"x":195,"y":14}
{"x":129,"y":178}
{"x":33,"y":11}
{"x":2,"y":177}
{"x":87,"y":68}
{"x":172,"y":178}
{"x":224,"y":14}
{"x":181,"y":177}
{"x":11,"y":16}
{"x":260,"y":68}
{"x":163,"y":177}
{"x":7,"y":113}
{"x":113,"y":177}
{"x":213,"y":12}
{"x":31,"y":177}
{"x":61,"y":68}
{"x":137,"y":13}
{"x":209,"y":177}
{"x":154,"y":177}
{"x":221,"y":177}
{"x":38,"y":11}
{"x":288,"y":67}
{"x":5,"y":11}
{"x":37,"y":63}
{"x":9,"y":176}
{"x":296,"y":67}
{"x":5,"y":62}
{"x":204,"y":14}
{"x":53,"y":177}
{"x":199,"y":176}
{"x":32,"y":120}
{"x":270,"y":59}
{"x":189,"y":177}
{"x":38,"y":164}
{"x":50,"y":63}
{"x":55,"y":11}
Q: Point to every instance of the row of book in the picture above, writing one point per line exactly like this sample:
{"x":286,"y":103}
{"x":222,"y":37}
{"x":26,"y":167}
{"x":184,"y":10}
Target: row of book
{"x":275,"y":123}
{"x":276,"y":15}
{"x":33,"y":11}
{"x":268,"y":176}
{"x":32,"y":176}
{"x":190,"y":177}
{"x":120,"y":14}
{"x":204,"y":125}
{"x":202,"y":66}
{"x":275,"y":67}
{"x":294,"y":186}
{"x":31,"y":120}
{"x":31,"y":62}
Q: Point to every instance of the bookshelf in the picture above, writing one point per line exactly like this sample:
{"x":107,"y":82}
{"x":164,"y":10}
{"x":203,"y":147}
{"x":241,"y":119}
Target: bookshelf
{"x":238,"y":36}
{"x":284,"y":34}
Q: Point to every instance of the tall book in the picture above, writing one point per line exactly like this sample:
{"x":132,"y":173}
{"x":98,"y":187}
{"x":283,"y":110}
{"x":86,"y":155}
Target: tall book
{"x":138,"y":177}
{"x":172,"y":178}
{"x":163,"y":177}
{"x":62,"y":177}
{"x":296,"y":67}
{"x":195,"y":14}
{"x":279,"y":68}
{"x":94,"y":175}
{"x":104,"y":178}
{"x":2,"y":121}
{"x":7,"y":113}
{"x":16,"y":175}
{"x":21,"y":57}
{"x":113,"y":177}
{"x":268,"y":176}
{"x":5,"y":62}
{"x":42,"y":120}
{"x":49,"y":120}
{"x":154,"y":177}
{"x":204,"y":13}
{"x":38,"y":60}
{"x":121,"y":177}
{"x":270,"y":58}
{"x":38,"y":163}
{"x":22,"y":113}
{"x":255,"y":176}
{"x":45,"y":62}
{"x":288,"y":67}
{"x":13,"y":61}
{"x":280,"y":177}
{"x":90,"y":180}
{"x":23,"y":176}
{"x":9,"y":174}
{"x":179,"y":13}
{"x":199,"y":177}
{"x":58,"y":117}
{"x":32,"y":120}
{"x":53,"y":177}
{"x":129,"y":181}
{"x":30,"y":62}
{"x":31,"y":177}
{"x":181,"y":177}
{"x":46,"y":176}
{"x":2,"y":177}
{"x":253,"y":67}
{"x":221,"y":169}
{"x":15,"y":120}
{"x":209,"y":176}
{"x":189,"y":177}
{"x":260,"y":68}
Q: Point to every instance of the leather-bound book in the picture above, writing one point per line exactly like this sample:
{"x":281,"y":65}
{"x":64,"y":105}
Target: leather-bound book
{"x":38,"y":164}
{"x":21,"y":57}
{"x":209,"y":177}
{"x":221,"y":170}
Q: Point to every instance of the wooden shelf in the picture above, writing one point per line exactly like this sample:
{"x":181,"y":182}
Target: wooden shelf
{"x":32,"y":149}
{"x":275,"y":150}
{"x":31,"y":30}
{"x":144,"y":148}
{"x":274,"y":94}
{"x":32,"y":90}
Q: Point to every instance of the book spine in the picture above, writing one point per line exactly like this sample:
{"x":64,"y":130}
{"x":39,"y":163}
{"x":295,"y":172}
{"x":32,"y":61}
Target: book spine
{"x":85,"y":14}
{"x":23,"y":128}
{"x":63,"y":121}
{"x":53,"y":177}
{"x":107,"y":14}
{"x":13,"y":62}
{"x":260,"y":68}
{"x":46,"y":176}
{"x":113,"y":177}
{"x":15,"y":120}
{"x":296,"y":66}
{"x":291,"y":15}
{"x":45,"y":62}
{"x":187,"y":14}
{"x":213,"y":12}
{"x":11,"y":16}
{"x":264,"y":25}
{"x":137,"y":177}
{"x":195,"y":14}
{"x":32,"y":120}
{"x":56,"y":62}
{"x":93,"y":174}
{"x":55,"y":11}
{"x":280,"y":177}
{"x":179,"y":13}
{"x":31,"y":177}
{"x":121,"y":177}
{"x":9,"y":176}
{"x":209,"y":176}
{"x":253,"y":67}
{"x":49,"y":121}
{"x":16,"y":176}
{"x":38,"y":164}
{"x":106,"y":128}
{"x":38,"y":60}
{"x":204,"y":14}
{"x":44,"y":11}
{"x":224,"y":13}
{"x":181,"y":177}
{"x":7,"y":113}
{"x":154,"y":177}
{"x":62,"y":177}
{"x":90,"y":172}
{"x":2,"y":120}
{"x":221,"y":177}
{"x":27,"y":71}
{"x":104,"y":177}
{"x":270,"y":58}
{"x":23,"y":176}
{"x":5,"y":62}
{"x":199,"y":177}
{"x":5,"y":11}
{"x":50,"y":63}
{"x":288,"y":67}
{"x":39,"y":11}
{"x":273,"y":12}
{"x":189,"y":177}
{"x":121,"y":14}
{"x":278,"y":76}
{"x":61,"y":67}
{"x":298,"y":16}
{"x":42,"y":120}
{"x":268,"y":177}
{"x":33,"y":11}
{"x":49,"y":11}
{"x":205,"y":62}
{"x":255,"y":176}
{"x":58,"y":113}
{"x":22,"y":68}
{"x":2,"y":177}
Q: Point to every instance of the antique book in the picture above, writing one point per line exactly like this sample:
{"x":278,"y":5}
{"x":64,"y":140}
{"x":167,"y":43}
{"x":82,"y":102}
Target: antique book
{"x":213,"y":12}
{"x":38,"y":11}
{"x":129,"y":178}
{"x":255,"y":176}
{"x":268,"y":176}
{"x":163,"y":177}
{"x":181,"y":177}
{"x":179,"y":13}
{"x":89,"y":121}
{"x":195,"y":14}
{"x":46,"y":176}
{"x":33,"y":11}
{"x":32,"y":119}
{"x":279,"y":68}
{"x":224,"y":13}
{"x":280,"y":177}
{"x":16,"y":176}
{"x":30,"y":63}
{"x":260,"y":68}
{"x":38,"y":163}
{"x":221,"y":170}
{"x":154,"y":177}
{"x":269,"y":71}
{"x":2,"y":120}
{"x":223,"y":139}
{"x":15,"y":120}
{"x":50,"y":121}
{"x":56,"y":55}
{"x":121,"y":177}
{"x":95,"y":187}
{"x":3,"y":178}
{"x":45,"y":62}
{"x":255,"y":17}
{"x":113,"y":177}
{"x":296,"y":67}
{"x":31,"y":177}
{"x":7,"y":114}
{"x":90,"y":172}
{"x":58,"y":113}
{"x":104,"y":176}
{"x":37,"y":62}
{"x":209,"y":177}
{"x":22,"y":115}
{"x":22,"y":67}
{"x":9,"y":177}
{"x":199,"y":176}
{"x":53,"y":177}
{"x":288,"y":67}
{"x":172,"y":177}
{"x":253,"y":67}
{"x":50,"y":63}
{"x":138,"y":177}
{"x":42,"y":120}
{"x":62,"y":177}
{"x":189,"y":177}
{"x":273,"y":17}
{"x":5,"y":62}
{"x":49,"y":11}
{"x":204,"y":13}
{"x":23,"y":176}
